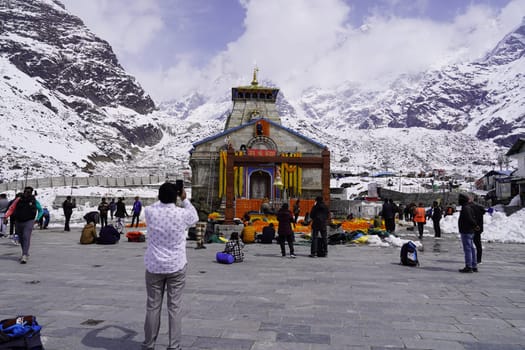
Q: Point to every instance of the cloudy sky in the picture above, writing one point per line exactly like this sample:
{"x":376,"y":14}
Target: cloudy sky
{"x":174,"y":47}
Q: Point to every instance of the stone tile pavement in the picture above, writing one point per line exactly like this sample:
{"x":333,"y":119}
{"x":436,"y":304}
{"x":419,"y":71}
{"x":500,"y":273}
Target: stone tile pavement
{"x":359,"y":297}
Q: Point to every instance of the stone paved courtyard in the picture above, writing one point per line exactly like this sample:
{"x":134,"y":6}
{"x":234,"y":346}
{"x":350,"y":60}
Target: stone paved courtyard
{"x":359,"y":297}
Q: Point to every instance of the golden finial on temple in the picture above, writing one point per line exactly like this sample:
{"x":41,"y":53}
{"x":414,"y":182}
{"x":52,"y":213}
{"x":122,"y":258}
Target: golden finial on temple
{"x":254,"y":81}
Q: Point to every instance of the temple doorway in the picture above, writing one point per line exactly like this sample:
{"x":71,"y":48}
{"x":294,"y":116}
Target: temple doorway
{"x":260,"y":185}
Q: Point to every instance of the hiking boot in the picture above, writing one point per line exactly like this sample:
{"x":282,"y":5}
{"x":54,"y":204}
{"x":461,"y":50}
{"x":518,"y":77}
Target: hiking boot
{"x":23,"y":259}
{"x":466,"y":270}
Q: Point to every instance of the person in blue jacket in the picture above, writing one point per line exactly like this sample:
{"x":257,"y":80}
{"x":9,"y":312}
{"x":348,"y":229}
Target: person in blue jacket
{"x":44,"y":220}
{"x":135,"y":211}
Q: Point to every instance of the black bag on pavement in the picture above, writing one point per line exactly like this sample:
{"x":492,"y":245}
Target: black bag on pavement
{"x":409,"y":254}
{"x":20,"y":333}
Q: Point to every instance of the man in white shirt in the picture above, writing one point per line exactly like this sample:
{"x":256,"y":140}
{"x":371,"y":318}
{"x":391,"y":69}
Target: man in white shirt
{"x":165,"y":261}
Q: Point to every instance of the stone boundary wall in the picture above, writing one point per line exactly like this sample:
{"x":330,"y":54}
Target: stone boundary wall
{"x":73,"y":181}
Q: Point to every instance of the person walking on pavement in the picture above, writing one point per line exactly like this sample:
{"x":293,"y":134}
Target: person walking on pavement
{"x":135,"y":211}
{"x":420,"y":218}
{"x":12,"y":229}
{"x":388,"y":212}
{"x":112,"y":207}
{"x":436,"y":218}
{"x":319,"y":215}
{"x":165,"y":261}
{"x":24,"y":210}
{"x":120,"y":212}
{"x":4,"y":205}
{"x":284,"y":230}
{"x":467,"y":225}
{"x":68,"y":205}
{"x":479,"y":212}
{"x":103,"y":209}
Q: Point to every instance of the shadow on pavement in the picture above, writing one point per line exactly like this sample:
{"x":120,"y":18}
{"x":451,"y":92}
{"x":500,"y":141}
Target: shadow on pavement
{"x":111,"y":337}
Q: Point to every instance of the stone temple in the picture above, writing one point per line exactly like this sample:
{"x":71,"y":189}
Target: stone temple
{"x":255,"y":158}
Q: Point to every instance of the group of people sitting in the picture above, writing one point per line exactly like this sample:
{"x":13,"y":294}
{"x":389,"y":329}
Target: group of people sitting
{"x":108,"y":234}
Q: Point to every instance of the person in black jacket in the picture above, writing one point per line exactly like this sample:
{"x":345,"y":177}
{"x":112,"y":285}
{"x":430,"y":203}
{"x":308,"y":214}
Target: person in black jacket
{"x":68,"y":206}
{"x":437,"y":212}
{"x":268,"y":234}
{"x":319,"y":215}
{"x":467,"y":225}
{"x":479,"y":211}
{"x":284,"y":230}
{"x":103,"y":209}
{"x":121,"y":212}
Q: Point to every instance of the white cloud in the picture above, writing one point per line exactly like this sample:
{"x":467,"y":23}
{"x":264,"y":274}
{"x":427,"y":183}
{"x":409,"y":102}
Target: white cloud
{"x":302,"y":43}
{"x":128,"y":25}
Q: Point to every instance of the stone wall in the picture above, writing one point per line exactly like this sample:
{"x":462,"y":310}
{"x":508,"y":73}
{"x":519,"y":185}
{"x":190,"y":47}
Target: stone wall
{"x":67,"y":181}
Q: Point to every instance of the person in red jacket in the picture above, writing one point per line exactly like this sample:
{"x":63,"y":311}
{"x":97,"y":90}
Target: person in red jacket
{"x":420,"y":218}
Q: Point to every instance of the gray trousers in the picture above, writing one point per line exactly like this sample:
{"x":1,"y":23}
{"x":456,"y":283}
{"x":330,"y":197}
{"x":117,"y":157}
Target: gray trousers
{"x":155,"y":286}
{"x":24,"y":230}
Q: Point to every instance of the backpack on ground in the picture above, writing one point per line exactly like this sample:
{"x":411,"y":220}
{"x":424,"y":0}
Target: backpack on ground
{"x":22,"y":332}
{"x":409,"y":254}
{"x":108,"y":235}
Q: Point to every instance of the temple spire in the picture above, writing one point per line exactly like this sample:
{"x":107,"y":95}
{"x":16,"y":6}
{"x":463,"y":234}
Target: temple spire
{"x":254,"y":81}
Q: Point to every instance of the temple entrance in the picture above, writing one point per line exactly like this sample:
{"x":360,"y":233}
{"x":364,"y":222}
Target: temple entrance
{"x":260,"y":185}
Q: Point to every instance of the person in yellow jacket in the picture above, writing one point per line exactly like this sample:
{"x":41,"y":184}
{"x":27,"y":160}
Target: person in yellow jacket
{"x":89,"y":234}
{"x":420,"y":218}
{"x":248,"y":233}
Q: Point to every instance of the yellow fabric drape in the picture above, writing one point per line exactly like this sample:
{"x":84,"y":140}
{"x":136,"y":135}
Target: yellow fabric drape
{"x":223,"y":156}
{"x":241,"y":181}
{"x":292,"y":174}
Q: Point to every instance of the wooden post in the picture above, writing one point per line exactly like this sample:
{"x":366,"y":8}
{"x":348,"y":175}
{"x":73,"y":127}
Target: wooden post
{"x":229,"y":211}
{"x":325,"y":176}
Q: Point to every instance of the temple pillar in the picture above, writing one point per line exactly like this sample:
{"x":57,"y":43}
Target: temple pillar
{"x":325,"y":176}
{"x":229,"y":211}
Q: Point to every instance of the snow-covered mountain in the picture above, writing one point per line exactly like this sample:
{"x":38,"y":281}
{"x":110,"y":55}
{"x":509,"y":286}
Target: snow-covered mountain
{"x":66,"y":103}
{"x":452,"y":118}
{"x":68,"y":107}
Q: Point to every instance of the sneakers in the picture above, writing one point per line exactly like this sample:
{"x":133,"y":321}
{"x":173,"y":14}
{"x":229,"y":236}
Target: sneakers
{"x":474,"y":269}
{"x":467,"y":270}
{"x":23,"y":259}
{"x":311,"y":256}
{"x":292,"y":256}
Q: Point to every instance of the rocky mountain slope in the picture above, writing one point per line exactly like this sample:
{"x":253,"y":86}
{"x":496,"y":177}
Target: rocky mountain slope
{"x":66,"y":84}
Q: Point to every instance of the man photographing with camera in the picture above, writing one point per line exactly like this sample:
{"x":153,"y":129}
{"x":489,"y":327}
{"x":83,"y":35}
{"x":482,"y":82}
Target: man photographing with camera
{"x":165,"y":261}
